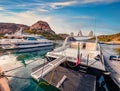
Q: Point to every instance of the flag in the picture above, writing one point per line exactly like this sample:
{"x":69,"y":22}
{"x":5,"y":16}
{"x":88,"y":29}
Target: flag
{"x":78,"y":55}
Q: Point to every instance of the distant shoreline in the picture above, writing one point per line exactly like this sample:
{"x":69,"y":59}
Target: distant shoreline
{"x":117,"y":50}
{"x":111,"y":43}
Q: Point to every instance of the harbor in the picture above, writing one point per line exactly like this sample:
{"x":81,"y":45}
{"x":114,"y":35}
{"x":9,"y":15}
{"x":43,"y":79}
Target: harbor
{"x":29,"y":84}
{"x":57,"y":65}
{"x":59,"y":45}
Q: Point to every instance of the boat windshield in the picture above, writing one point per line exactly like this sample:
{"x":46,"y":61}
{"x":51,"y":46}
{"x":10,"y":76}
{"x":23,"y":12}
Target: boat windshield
{"x":31,"y":38}
{"x":40,"y":37}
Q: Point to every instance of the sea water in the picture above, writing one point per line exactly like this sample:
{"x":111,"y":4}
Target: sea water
{"x":25,"y":62}
{"x":21,"y":65}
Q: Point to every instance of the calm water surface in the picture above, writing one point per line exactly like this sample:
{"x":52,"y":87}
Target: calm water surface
{"x":28,"y":62}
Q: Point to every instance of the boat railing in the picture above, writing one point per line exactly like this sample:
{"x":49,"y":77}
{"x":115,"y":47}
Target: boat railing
{"x":84,"y":58}
{"x":47,"y":68}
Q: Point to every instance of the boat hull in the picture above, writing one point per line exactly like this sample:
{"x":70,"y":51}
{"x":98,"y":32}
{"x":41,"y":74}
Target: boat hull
{"x":23,"y":50}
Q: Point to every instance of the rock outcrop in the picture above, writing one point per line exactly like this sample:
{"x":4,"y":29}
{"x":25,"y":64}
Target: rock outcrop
{"x":11,"y":27}
{"x":42,"y":26}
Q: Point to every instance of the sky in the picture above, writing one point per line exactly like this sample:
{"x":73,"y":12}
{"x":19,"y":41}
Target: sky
{"x":65,"y":16}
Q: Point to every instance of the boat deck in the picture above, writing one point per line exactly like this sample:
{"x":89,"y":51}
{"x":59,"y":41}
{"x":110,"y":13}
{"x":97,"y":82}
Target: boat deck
{"x":116,"y":65}
{"x":47,"y":68}
{"x":71,"y":53}
{"x":75,"y":81}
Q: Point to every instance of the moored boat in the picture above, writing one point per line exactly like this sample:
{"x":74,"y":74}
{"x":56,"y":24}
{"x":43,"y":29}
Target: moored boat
{"x":75,"y":66}
{"x":24,"y":41}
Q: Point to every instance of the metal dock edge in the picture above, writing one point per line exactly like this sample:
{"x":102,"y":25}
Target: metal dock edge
{"x":47,"y":68}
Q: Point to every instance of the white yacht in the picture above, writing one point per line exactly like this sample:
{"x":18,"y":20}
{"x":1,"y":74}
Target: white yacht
{"x":19,"y":40}
{"x":90,"y":54}
{"x":75,"y":66}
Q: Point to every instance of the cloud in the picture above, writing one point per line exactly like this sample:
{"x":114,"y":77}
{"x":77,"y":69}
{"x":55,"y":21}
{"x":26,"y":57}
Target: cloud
{"x":97,"y":1}
{"x":42,"y":10}
{"x":45,"y":6}
{"x":58,"y":23}
{"x":22,"y":18}
{"x":28,"y":17}
{"x":1,"y":9}
{"x":84,"y":17}
{"x":56,"y":5}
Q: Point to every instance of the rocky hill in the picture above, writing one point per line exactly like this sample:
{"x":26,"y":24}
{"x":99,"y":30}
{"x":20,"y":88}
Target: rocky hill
{"x":40,"y":27}
{"x":11,"y":27}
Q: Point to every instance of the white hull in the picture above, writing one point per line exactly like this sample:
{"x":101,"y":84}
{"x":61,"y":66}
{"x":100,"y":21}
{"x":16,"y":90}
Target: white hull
{"x":88,"y":52}
{"x":32,"y":49}
{"x":24,"y":46}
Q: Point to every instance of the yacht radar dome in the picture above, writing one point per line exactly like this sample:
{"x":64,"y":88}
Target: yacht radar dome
{"x":90,"y":33}
{"x":80,"y":33}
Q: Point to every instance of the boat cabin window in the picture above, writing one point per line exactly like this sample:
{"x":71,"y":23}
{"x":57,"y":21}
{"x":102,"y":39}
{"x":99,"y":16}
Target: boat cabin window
{"x":31,"y":38}
{"x":118,"y":56}
{"x":84,"y":46}
{"x":40,"y":37}
{"x":112,"y":57}
{"x":71,"y":39}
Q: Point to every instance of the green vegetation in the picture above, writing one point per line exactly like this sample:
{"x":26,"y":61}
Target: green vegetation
{"x":1,"y":35}
{"x":45,"y":34}
{"x":105,"y":38}
{"x":117,"y":50}
{"x":108,"y":38}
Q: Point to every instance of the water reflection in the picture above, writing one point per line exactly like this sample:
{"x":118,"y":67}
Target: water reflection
{"x":24,"y":63}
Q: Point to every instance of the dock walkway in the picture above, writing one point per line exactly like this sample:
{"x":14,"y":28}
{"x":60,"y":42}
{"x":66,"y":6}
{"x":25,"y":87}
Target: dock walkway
{"x":47,"y":68}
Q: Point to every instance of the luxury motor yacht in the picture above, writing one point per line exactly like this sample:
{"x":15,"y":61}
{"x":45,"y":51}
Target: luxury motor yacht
{"x":22,"y":41}
{"x":89,"y":50}
{"x":75,"y":66}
